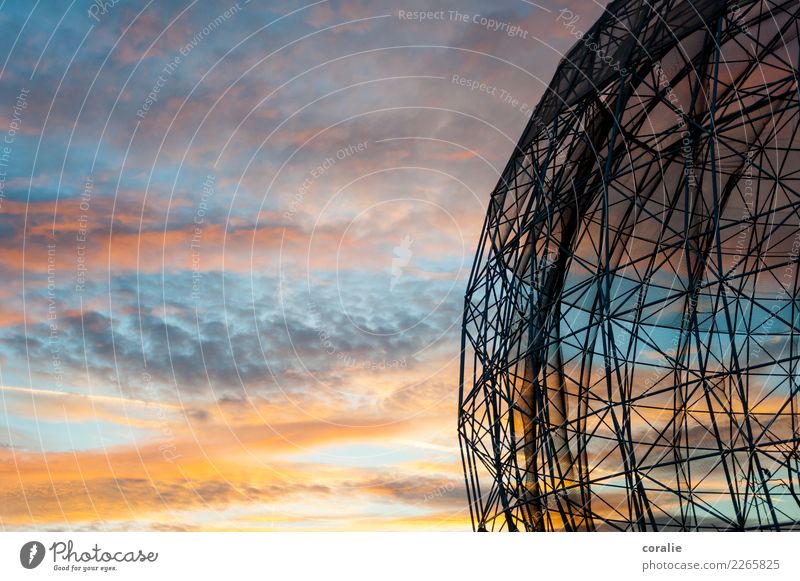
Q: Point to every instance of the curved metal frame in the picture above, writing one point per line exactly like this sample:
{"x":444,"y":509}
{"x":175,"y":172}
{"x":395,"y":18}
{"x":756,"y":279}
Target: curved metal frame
{"x":631,"y":332}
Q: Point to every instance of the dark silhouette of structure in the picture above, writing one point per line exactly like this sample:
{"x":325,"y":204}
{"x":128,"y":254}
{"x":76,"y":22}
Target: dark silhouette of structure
{"x":631,"y":340}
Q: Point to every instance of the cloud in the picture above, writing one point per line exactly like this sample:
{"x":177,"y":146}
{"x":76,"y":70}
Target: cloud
{"x":254,"y":354}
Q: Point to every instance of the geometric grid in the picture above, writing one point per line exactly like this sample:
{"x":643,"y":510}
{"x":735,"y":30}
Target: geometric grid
{"x":631,"y":334}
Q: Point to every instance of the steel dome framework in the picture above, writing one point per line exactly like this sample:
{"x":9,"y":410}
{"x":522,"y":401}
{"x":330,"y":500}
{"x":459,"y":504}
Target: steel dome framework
{"x":631,"y":333}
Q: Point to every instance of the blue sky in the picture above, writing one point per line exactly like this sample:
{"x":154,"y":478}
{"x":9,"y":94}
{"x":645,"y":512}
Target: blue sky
{"x":261,"y":218}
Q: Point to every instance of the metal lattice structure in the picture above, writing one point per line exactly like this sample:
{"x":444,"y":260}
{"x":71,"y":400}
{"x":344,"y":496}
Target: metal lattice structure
{"x":631,"y":335}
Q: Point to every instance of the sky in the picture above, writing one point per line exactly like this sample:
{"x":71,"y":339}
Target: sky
{"x":236,"y":237}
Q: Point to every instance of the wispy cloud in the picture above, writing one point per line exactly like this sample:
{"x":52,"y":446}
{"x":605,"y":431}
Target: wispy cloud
{"x":235,"y":238}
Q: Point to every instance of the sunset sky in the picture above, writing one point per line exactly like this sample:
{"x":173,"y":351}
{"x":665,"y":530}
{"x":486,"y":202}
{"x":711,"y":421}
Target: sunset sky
{"x":236,"y":238}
